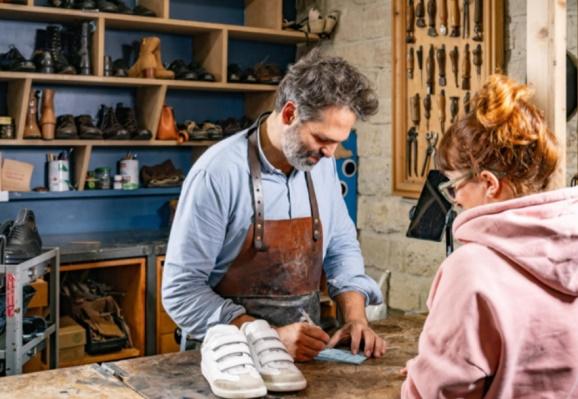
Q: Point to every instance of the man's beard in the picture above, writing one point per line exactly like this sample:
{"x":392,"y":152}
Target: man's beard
{"x":295,"y":151}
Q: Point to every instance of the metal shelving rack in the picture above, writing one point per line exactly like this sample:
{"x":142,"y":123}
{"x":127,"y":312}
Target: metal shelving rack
{"x":15,"y":353}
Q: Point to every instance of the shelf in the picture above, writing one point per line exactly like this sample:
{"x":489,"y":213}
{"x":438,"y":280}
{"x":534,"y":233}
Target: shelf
{"x":100,"y":81}
{"x":132,"y":22}
{"x":108,"y":357}
{"x":39,"y":196}
{"x":104,"y":143}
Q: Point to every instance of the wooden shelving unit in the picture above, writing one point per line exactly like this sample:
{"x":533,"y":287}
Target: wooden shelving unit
{"x":165,"y":340}
{"x":210,"y":47}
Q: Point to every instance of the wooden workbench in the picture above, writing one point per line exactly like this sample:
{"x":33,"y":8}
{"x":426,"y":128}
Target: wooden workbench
{"x":178,"y":375}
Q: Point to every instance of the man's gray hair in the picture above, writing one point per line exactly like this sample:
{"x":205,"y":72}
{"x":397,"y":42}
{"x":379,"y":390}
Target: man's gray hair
{"x":316,"y":82}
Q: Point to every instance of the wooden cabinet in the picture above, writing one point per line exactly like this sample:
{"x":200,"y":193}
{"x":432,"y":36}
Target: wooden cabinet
{"x":165,"y":334}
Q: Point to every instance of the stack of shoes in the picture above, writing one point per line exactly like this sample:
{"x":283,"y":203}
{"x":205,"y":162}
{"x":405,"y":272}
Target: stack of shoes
{"x":192,"y":71}
{"x":315,"y":23}
{"x":265,"y":73}
{"x":162,"y":175}
{"x":248,"y":362}
{"x":114,"y":6}
{"x":21,"y":237}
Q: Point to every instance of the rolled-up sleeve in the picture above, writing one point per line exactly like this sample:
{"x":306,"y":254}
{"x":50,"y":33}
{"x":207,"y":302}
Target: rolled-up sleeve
{"x":195,"y":241}
{"x":343,"y":263}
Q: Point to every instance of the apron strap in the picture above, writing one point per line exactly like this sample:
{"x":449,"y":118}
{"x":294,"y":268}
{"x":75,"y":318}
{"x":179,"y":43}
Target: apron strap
{"x":257,"y":192}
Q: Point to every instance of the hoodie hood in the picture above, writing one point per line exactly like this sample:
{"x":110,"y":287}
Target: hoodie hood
{"x":539,"y":232}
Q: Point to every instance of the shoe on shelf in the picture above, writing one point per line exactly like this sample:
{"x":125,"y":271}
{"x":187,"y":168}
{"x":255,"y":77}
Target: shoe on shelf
{"x":227,"y":364}
{"x":51,"y":40}
{"x":201,"y":72}
{"x":13,"y":60}
{"x":233,"y":73}
{"x":43,"y":61}
{"x":66,"y":127}
{"x":31,"y":128}
{"x":248,"y":76}
{"x":85,"y":4}
{"x":48,"y":116}
{"x":127,"y":118}
{"x":111,"y":128}
{"x":162,"y":175}
{"x":23,"y":240}
{"x":182,"y":71}
{"x":106,"y":6}
{"x":120,"y":68}
{"x":194,"y":131}
{"x":273,"y":362}
{"x":121,"y":7}
{"x":230,"y":126}
{"x":214,"y":131}
{"x":86,"y":128}
{"x":143,"y":11}
{"x":268,"y":73}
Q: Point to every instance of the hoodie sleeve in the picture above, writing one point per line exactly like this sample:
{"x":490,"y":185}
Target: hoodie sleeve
{"x":460,"y":343}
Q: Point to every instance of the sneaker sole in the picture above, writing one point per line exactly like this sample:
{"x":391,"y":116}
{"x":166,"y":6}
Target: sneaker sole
{"x":227,"y":394}
{"x":286,"y":386}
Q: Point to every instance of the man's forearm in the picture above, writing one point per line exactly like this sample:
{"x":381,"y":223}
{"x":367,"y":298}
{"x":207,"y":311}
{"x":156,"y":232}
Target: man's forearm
{"x":352,"y":306}
{"x":239,"y":320}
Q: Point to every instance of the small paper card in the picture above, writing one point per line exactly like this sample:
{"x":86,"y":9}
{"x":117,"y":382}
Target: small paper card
{"x":16,"y":175}
{"x":340,"y":355}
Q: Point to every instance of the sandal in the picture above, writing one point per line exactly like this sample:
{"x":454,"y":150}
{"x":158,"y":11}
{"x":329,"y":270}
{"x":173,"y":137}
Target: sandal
{"x":214,"y":132}
{"x":194,"y":131}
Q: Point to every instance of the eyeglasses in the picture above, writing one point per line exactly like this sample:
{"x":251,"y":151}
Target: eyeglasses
{"x":448,"y":189}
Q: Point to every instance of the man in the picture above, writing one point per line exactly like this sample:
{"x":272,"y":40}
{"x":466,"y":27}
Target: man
{"x":261,"y":215}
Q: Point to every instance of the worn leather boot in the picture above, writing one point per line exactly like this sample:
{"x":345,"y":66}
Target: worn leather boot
{"x":54,"y":45}
{"x":66,"y":128}
{"x":106,"y":6}
{"x":31,"y":129}
{"x":127,"y":118}
{"x":85,"y":4}
{"x":160,"y":71}
{"x":167,"y":125}
{"x":121,"y":7}
{"x":86,"y":129}
{"x":145,"y":65}
{"x":111,"y":128}
{"x":83,"y":63}
{"x":23,"y":239}
{"x":48,"y":117}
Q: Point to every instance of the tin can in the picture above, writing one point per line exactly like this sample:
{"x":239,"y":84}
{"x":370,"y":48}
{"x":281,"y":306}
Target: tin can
{"x":129,"y":168}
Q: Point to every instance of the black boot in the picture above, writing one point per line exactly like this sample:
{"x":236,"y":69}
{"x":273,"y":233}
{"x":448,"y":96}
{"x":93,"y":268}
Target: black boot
{"x":86,"y":128}
{"x":23,"y":239}
{"x":111,"y":128}
{"x":122,"y":8}
{"x":81,"y":48}
{"x":55,"y":46}
{"x":127,"y":119}
{"x":85,"y":4}
{"x":13,"y":60}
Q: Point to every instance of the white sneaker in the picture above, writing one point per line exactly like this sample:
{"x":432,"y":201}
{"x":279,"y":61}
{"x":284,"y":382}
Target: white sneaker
{"x":228,"y":366}
{"x":273,"y":361}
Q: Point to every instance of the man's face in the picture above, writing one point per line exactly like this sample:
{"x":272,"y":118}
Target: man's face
{"x":304,"y":144}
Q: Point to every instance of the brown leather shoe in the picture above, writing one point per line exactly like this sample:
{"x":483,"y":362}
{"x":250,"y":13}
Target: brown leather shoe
{"x":31,"y":129}
{"x":66,"y":128}
{"x":162,"y":175}
{"x":167,"y":125}
{"x":48,"y":118}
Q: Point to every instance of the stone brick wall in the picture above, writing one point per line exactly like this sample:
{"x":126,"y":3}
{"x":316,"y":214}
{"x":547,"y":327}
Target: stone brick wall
{"x":364,"y":38}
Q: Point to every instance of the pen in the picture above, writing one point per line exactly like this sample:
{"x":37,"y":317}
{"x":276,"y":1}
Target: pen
{"x":305,"y":316}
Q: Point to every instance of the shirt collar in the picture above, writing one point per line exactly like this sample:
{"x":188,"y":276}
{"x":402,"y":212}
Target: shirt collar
{"x":267,"y":167}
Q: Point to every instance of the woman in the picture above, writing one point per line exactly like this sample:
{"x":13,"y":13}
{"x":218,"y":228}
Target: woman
{"x":503,"y":319}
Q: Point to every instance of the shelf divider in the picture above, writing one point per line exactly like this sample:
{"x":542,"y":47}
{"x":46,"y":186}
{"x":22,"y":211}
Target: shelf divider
{"x":19,"y":93}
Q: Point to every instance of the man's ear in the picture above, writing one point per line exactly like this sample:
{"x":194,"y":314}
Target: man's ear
{"x":288,"y":113}
{"x":491,"y":183}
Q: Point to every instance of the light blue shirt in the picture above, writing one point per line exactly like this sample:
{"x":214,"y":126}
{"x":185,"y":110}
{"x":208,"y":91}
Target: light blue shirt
{"x":214,"y":214}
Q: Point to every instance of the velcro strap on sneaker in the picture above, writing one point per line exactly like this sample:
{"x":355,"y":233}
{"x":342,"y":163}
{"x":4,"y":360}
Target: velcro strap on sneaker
{"x":267,"y":344}
{"x":263,"y":334}
{"x":230,"y":349}
{"x":225,"y":340}
{"x":275,"y":356}
{"x":231,"y":361}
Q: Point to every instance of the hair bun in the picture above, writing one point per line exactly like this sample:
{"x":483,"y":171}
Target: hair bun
{"x":497,"y":99}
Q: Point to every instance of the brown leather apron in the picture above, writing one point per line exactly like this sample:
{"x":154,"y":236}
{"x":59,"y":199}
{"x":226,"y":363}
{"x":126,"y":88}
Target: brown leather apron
{"x":278,"y":270}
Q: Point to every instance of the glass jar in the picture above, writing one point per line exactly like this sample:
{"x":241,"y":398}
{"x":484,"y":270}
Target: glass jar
{"x":103,"y":178}
{"x":117,"y":185}
{"x":90,"y":183}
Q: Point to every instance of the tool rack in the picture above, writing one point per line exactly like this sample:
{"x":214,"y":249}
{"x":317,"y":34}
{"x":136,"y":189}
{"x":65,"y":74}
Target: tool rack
{"x":15,"y":352}
{"x":443,"y":51}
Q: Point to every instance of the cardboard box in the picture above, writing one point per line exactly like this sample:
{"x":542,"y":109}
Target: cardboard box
{"x":70,"y":334}
{"x":70,"y":354}
{"x":40,"y":298}
{"x":16,"y":175}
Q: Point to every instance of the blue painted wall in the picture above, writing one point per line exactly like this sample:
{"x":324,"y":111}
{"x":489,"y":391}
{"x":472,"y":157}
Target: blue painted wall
{"x":78,"y":215}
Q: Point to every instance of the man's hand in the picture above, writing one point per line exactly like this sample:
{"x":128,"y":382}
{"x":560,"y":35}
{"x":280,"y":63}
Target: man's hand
{"x":373,"y":345}
{"x":303,"y":341}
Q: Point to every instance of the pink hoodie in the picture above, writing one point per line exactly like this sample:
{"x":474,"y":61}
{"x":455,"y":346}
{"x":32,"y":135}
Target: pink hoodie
{"x":503,"y":319}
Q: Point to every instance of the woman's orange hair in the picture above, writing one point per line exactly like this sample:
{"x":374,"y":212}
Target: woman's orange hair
{"x":503,"y":133}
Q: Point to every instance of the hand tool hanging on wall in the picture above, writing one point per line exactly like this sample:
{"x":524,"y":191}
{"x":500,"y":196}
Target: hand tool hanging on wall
{"x":466,"y":19}
{"x":441,"y":58}
{"x":454,"y":59}
{"x":477,"y":60}
{"x":454,"y":18}
{"x":412,"y":135}
{"x":410,"y":23}
{"x":410,"y":62}
{"x":454,"y":108}
{"x":443,"y":11}
{"x":478,"y":21}
{"x":420,"y":13}
{"x":432,"y":141}
{"x":442,"y":110}
{"x":467,"y":103}
{"x":419,"y":55}
{"x":430,"y":70}
{"x":466,"y":69}
{"x":427,"y":110}
{"x":431,"y":18}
